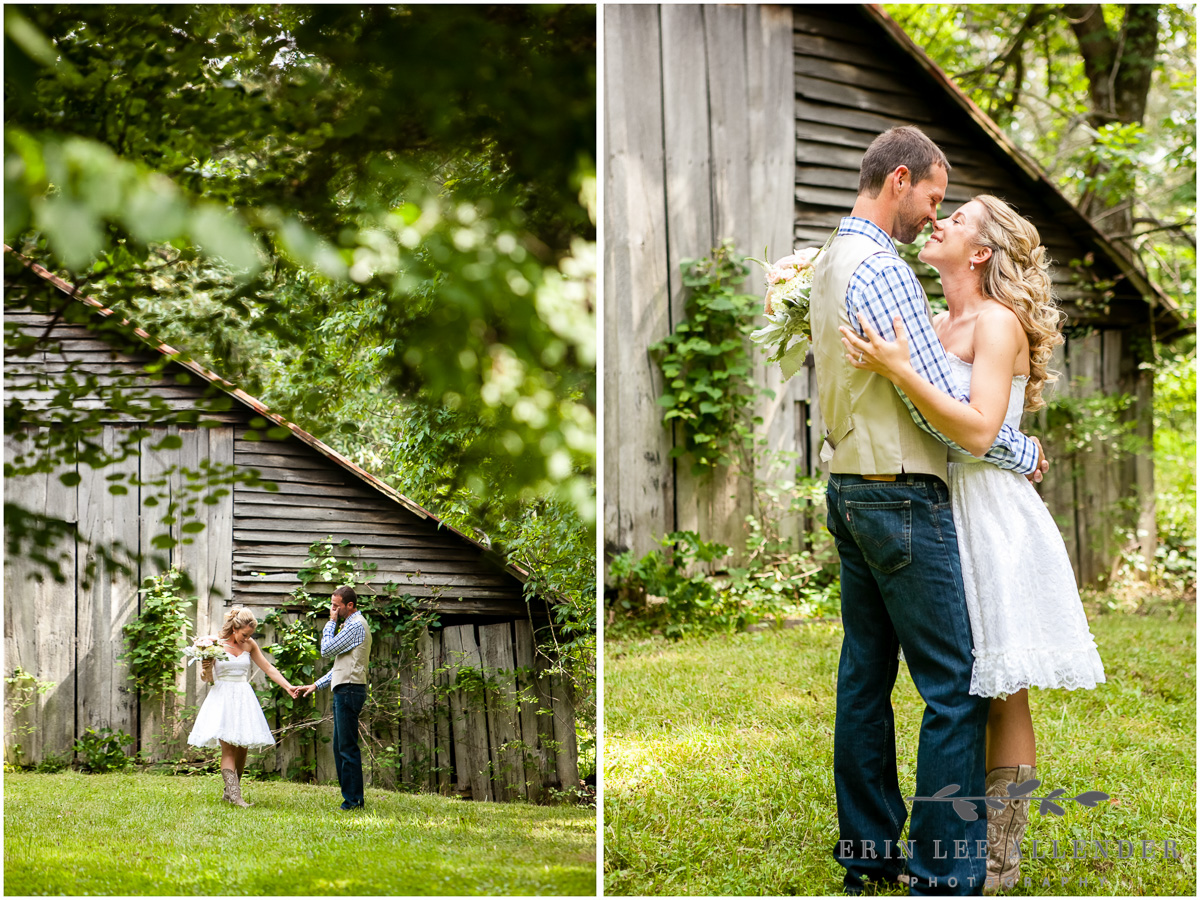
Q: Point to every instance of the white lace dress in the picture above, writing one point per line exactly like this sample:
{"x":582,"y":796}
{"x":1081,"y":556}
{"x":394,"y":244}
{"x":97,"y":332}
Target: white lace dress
{"x":1027,"y":621}
{"x":231,"y":712}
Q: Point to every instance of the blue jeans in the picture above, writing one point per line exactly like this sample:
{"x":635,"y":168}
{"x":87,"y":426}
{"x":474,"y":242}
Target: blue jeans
{"x":348,"y":700}
{"x":902,"y":587}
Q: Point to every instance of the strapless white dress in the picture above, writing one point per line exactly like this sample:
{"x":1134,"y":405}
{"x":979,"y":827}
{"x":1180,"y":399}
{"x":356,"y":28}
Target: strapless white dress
{"x":231,"y":712}
{"x":1027,"y":620}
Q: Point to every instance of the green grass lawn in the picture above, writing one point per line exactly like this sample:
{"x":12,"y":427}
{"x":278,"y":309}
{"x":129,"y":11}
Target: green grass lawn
{"x":718,"y":762}
{"x":152,"y":834}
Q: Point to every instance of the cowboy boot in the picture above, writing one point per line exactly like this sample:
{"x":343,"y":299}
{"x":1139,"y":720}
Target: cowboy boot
{"x":1005,"y":827}
{"x":233,"y":790}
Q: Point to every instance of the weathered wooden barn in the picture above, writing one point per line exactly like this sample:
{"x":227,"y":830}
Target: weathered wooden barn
{"x":749,"y":123}
{"x":513,"y":740}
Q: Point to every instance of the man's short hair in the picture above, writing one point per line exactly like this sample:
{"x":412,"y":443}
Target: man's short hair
{"x":903,"y":145}
{"x":347,"y":594}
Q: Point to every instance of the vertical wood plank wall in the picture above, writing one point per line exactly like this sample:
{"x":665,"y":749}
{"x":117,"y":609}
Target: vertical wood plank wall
{"x":749,"y":122}
{"x":697,"y":124}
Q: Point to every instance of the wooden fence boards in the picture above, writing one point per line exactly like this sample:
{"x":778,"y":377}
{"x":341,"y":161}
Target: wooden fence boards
{"x":417,"y":710}
{"x":1083,"y":364}
{"x":689,"y":176}
{"x":104,"y":694}
{"x":534,"y":753}
{"x":162,"y":478}
{"x":503,"y":722}
{"x":566,"y":758}
{"x":39,"y":625}
{"x":770,"y":146}
{"x":468,"y":717}
{"x":1058,"y":488}
{"x":637,"y":470}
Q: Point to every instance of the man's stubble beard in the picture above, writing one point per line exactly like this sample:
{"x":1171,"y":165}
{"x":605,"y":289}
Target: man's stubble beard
{"x":910,"y":223}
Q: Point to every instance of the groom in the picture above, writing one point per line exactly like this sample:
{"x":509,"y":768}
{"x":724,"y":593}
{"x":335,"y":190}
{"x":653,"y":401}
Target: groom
{"x":347,"y":638}
{"x":889,"y":513}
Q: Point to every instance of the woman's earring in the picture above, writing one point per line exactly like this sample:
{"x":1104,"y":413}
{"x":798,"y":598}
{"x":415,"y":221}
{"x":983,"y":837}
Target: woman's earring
{"x":972,"y":267}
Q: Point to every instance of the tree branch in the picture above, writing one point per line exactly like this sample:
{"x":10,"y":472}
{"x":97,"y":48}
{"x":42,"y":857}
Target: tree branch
{"x":1134,"y":65}
{"x":1013,"y":58}
{"x":1098,"y":50}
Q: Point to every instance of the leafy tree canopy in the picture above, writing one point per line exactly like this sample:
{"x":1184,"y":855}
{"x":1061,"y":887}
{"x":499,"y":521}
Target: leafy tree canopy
{"x":378,"y":219}
{"x":417,"y":174}
{"x":1102,"y":96}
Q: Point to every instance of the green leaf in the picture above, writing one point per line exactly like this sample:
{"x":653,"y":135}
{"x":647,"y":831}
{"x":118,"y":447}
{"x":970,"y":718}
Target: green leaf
{"x":223,"y":235}
{"x":72,"y":231}
{"x":792,"y":361}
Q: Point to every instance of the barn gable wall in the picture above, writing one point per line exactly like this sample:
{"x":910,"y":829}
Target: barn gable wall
{"x":845,"y":79}
{"x":253,"y":543}
{"x":316,"y":499}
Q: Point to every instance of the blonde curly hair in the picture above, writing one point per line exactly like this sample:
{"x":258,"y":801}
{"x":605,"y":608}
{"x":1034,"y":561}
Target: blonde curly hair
{"x":235,"y":619}
{"x":1018,"y":275}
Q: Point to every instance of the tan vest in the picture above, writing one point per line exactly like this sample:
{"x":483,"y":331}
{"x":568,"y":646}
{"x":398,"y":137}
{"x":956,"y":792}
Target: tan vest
{"x":869,"y":427}
{"x":351,"y":667}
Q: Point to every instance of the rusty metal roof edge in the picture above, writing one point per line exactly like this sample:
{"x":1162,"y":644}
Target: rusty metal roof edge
{"x":259,"y":407}
{"x":1147,"y":288}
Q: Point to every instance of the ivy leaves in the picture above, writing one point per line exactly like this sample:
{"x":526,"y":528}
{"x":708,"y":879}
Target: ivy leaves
{"x":706,"y":364}
{"x":157,"y":636}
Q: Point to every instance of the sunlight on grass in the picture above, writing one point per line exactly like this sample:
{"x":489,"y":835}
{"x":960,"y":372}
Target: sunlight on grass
{"x":719,"y":763}
{"x":148,"y":834}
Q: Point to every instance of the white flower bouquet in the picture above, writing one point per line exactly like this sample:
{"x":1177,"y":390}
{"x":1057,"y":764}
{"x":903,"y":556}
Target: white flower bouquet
{"x":788,"y":333}
{"x":205,"y":648}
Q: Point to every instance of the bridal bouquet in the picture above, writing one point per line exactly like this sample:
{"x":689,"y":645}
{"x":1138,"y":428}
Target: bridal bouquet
{"x":789,"y":283}
{"x":205,"y":648}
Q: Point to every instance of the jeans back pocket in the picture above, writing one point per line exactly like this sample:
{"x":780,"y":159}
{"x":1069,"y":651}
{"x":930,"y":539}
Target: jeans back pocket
{"x":883,"y":531}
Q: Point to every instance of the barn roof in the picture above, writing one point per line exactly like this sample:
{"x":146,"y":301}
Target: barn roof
{"x":1081,"y":226}
{"x":258,"y":407}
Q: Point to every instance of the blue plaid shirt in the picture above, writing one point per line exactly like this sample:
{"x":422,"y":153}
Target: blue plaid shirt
{"x":333,"y":642}
{"x":883,"y":286}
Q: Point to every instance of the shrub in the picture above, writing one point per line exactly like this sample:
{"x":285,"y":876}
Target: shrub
{"x":103,"y":750}
{"x":50,"y":764}
{"x":657,"y":591}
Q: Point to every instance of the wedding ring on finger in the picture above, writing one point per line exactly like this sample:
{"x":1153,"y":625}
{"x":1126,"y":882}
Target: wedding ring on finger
{"x":860,"y":357}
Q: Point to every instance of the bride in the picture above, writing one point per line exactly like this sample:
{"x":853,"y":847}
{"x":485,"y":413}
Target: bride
{"x":1027,"y":621}
{"x":231,"y":717}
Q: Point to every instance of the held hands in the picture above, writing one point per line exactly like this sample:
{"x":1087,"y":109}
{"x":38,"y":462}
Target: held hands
{"x":1043,"y":465}
{"x":886,"y":358}
{"x":301,"y":690}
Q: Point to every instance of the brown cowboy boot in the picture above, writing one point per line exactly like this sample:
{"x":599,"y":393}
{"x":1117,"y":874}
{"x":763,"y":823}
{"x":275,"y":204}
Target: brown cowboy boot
{"x":233,"y":790}
{"x":1005,"y":827}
